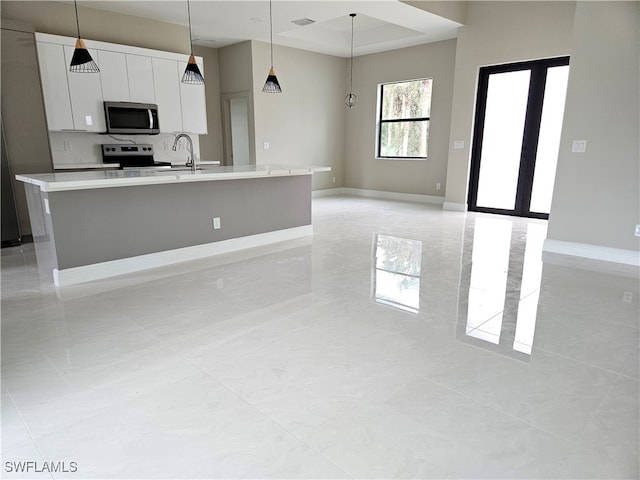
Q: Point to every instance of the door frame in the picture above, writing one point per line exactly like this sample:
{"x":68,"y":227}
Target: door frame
{"x":530,"y":135}
{"x":226,"y":126}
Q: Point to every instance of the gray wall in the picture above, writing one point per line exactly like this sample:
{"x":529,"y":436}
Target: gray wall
{"x":92,"y":226}
{"x":304,"y":124}
{"x":363,"y":170}
{"x":597,"y":193}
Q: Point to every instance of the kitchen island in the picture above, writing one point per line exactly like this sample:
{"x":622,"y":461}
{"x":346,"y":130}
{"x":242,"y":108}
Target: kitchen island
{"x":92,"y":225}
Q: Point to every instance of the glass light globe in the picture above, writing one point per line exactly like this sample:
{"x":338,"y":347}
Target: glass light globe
{"x":350,"y":100}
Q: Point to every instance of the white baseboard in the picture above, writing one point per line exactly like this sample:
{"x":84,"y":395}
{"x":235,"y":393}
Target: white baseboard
{"x":96,"y":271}
{"x":360,"y":192}
{"x":594,"y":252}
{"x":454,"y":207}
{"x":327,"y":192}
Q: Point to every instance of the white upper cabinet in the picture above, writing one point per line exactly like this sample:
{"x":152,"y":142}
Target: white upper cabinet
{"x":113,"y":74}
{"x":85,"y":90}
{"x":75,"y":101}
{"x":194,"y":108}
{"x":53,"y":72}
{"x":167,"y":82}
{"x":140,"y":75}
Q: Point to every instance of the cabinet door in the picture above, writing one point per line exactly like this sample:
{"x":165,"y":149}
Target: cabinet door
{"x":85,"y":90}
{"x":113,"y":76}
{"x":53,"y":72}
{"x":140,"y":74}
{"x":167,"y":82}
{"x":194,"y":109}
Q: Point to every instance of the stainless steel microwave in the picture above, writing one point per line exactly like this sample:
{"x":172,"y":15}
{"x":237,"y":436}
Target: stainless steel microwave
{"x":131,"y":118}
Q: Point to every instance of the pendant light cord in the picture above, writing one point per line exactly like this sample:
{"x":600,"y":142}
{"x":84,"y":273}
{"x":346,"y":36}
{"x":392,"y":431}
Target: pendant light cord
{"x":351,"y":60}
{"x":271,"y":32}
{"x":190,"y":37}
{"x":75,"y":4}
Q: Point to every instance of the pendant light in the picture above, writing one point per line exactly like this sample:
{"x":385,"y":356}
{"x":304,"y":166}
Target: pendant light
{"x":81,"y":61}
{"x":350,"y":99}
{"x":271,"y":85}
{"x":192,"y":75}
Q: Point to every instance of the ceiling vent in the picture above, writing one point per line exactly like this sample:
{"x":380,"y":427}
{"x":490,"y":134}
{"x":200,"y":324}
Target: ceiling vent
{"x":303,"y":21}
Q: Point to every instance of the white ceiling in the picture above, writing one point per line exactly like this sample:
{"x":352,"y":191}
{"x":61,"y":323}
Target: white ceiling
{"x":379,"y":25}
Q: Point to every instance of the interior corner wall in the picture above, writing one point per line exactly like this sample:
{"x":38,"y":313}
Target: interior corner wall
{"x":498,"y":33}
{"x":305,"y":124}
{"x":363,"y":170}
{"x":211,"y":144}
{"x":596,"y":198}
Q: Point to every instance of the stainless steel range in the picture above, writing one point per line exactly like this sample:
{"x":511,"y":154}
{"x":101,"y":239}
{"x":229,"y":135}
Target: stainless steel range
{"x":132,"y":156}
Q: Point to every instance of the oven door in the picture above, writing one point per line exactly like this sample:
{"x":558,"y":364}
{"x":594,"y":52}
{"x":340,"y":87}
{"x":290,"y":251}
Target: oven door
{"x":131,"y":118}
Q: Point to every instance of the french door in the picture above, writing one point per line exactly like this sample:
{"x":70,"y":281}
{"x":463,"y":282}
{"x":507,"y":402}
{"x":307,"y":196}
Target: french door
{"x":519,"y":112}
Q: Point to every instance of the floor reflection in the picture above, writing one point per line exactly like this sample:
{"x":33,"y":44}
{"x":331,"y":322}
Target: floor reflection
{"x":395,"y":279}
{"x":502,"y":272}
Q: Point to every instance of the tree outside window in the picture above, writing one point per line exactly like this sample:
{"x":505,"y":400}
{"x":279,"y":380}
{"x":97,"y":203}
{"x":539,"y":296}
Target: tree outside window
{"x":403,"y":126}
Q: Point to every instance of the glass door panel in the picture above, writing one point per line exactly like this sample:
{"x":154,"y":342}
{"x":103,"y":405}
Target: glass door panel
{"x":549,"y":139}
{"x":507,"y":96}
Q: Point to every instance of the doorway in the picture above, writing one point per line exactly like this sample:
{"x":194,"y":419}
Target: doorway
{"x":237,"y":130}
{"x":519,"y":111}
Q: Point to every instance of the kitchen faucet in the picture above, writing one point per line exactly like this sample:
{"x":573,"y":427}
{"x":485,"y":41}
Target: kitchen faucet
{"x":191,"y":162}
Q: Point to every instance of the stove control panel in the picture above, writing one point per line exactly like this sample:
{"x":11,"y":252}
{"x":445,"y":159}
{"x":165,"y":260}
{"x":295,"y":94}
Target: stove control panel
{"x":126,"y":150}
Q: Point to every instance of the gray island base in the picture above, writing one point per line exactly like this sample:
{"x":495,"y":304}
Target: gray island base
{"x":92,"y":225}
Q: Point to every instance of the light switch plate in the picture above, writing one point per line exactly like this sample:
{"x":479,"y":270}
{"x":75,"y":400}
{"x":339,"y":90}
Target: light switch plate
{"x":458,"y":144}
{"x":579,"y":146}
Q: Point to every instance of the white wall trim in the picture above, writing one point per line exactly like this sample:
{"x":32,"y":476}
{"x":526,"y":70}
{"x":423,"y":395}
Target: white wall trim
{"x":96,"y":271}
{"x":595,"y":252}
{"x":454,"y":207}
{"x":360,"y":192}
{"x":328,"y":192}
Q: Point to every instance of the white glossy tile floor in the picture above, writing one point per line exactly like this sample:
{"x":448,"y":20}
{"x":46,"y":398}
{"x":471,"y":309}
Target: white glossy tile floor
{"x":400,"y":341}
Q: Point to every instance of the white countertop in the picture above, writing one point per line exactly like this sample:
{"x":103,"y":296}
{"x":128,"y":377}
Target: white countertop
{"x":61,"y":181}
{"x":99,"y":166}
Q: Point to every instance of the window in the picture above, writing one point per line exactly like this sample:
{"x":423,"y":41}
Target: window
{"x":403,"y":123}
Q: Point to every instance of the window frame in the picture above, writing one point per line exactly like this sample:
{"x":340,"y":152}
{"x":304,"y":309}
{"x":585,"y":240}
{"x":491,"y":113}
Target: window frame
{"x":381,"y":121}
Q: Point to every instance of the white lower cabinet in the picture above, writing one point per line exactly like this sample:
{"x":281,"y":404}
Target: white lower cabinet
{"x":85,"y":91}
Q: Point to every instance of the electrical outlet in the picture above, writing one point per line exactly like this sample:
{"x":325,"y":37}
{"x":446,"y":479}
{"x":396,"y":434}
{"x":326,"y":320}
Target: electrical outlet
{"x":438,"y":186}
{"x":637,"y":234}
{"x":579,"y":146}
{"x":67,"y":146}
{"x":627,"y":297}
{"x":266,"y":145}
{"x":333,"y":180}
{"x":216,"y":223}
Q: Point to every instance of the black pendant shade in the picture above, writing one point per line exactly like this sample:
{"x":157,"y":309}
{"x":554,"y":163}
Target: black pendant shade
{"x":81,"y":61}
{"x":192,"y":75}
{"x":272,"y":85}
